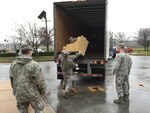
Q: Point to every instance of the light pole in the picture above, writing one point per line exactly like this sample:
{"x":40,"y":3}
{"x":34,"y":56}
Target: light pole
{"x":43,"y":15}
{"x":6,"y":43}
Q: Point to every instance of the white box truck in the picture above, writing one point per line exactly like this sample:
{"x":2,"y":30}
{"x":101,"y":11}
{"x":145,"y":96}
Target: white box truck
{"x":87,"y":18}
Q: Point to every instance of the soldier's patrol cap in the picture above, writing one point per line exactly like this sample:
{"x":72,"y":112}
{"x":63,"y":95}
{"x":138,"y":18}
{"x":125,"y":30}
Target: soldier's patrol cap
{"x":65,"y":53}
{"x":121,"y":45}
{"x":24,"y":49}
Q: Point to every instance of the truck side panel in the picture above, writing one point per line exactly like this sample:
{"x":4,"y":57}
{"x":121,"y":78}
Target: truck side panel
{"x":62,"y":30}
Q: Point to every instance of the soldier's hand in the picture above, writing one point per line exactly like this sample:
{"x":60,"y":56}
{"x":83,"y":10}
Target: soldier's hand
{"x":46,"y":95}
{"x":76,"y":65}
{"x":113,"y":76}
{"x":79,"y":53}
{"x":42,"y":92}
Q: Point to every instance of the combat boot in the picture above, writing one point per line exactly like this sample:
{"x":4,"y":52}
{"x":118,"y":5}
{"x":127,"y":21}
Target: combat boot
{"x":62,"y":92}
{"x":72,"y":92}
{"x":67,"y":95}
{"x":126,"y":98}
{"x":119,"y":101}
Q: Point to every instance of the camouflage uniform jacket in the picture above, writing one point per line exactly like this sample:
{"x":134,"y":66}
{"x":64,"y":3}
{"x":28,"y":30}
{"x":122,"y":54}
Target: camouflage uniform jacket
{"x":129,"y":60}
{"x":67,"y":64}
{"x":121,"y":67}
{"x":72,"y":57}
{"x":27,"y":79}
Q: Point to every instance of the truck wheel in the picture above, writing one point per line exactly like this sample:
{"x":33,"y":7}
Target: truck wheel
{"x":59,"y":76}
{"x":114,"y":55}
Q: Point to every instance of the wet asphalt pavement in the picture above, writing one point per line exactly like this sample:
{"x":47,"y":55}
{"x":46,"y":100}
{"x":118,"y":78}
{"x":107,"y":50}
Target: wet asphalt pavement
{"x":86,"y":101}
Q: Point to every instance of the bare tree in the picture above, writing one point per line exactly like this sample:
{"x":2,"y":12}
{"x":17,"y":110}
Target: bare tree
{"x":16,"y":43}
{"x":46,"y":40}
{"x":30,"y":34}
{"x":17,"y":40}
{"x":143,"y":37}
{"x":34,"y":36}
{"x":121,"y":37}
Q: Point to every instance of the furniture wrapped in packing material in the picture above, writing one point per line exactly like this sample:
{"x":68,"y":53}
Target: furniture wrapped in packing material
{"x":80,"y":44}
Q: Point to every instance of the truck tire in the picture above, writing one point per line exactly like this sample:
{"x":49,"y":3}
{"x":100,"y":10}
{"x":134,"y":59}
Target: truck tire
{"x":59,"y":76}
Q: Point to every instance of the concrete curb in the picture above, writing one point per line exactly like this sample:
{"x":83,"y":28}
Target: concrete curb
{"x":49,"y":109}
{"x":7,"y":99}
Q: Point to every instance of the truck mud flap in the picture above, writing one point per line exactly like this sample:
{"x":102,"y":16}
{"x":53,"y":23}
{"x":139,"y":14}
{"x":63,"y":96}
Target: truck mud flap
{"x":59,"y":72}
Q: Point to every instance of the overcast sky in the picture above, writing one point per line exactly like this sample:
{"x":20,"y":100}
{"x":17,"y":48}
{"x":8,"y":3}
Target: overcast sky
{"x":123,"y":15}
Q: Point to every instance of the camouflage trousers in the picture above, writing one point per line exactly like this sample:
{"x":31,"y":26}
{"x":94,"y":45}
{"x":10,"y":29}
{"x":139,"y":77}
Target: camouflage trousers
{"x":37,"y":106}
{"x":122,"y":85}
{"x":68,"y":81}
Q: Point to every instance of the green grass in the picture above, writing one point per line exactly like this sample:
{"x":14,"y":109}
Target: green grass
{"x":43,"y":58}
{"x":140,"y":52}
{"x":37,"y":58}
{"x":138,"y":49}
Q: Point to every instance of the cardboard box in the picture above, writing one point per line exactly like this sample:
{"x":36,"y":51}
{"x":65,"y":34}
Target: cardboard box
{"x":80,"y":45}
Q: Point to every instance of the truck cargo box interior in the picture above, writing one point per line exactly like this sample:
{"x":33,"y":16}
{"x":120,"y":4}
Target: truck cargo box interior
{"x":81,"y":18}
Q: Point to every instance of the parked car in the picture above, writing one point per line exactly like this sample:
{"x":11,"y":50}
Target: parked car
{"x":3,"y":50}
{"x":113,"y":52}
{"x":129,"y":50}
{"x":11,"y":51}
{"x":40,"y":50}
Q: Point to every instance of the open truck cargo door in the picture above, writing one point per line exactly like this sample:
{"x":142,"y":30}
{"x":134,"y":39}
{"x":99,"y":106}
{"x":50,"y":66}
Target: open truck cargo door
{"x":87,"y":18}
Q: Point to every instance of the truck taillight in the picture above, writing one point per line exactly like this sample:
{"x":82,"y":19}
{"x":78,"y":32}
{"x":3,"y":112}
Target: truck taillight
{"x":102,"y":62}
{"x":99,"y":62}
{"x":94,"y":62}
{"x":57,"y":61}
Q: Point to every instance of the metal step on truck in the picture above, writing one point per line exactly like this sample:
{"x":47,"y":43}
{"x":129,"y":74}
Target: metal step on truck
{"x":87,"y":18}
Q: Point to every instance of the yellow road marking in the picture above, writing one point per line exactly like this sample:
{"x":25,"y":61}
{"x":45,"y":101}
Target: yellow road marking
{"x":95,"y":88}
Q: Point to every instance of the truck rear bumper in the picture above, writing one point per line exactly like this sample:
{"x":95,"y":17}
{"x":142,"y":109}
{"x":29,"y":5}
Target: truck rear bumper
{"x":85,"y":70}
{"x":91,"y":75}
{"x":85,"y":75}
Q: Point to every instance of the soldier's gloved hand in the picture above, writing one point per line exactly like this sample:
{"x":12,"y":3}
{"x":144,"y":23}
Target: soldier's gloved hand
{"x":79,"y":53}
{"x":113,"y":76}
{"x":77,"y":67}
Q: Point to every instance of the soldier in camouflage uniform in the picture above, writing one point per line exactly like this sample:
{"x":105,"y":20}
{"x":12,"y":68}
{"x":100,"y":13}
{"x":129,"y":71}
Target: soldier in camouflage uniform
{"x":129,"y":62}
{"x":28,"y":82}
{"x":67,"y":66}
{"x":122,"y":70}
{"x":71,"y":39}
